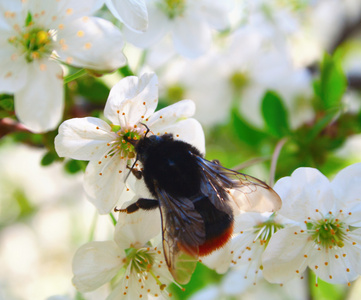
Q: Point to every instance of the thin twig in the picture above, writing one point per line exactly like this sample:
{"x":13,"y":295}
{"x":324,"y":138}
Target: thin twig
{"x":250,"y":163}
{"x":274,"y":160}
{"x":8,"y":125}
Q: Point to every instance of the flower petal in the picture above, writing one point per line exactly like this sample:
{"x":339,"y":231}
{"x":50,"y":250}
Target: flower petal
{"x":219,"y":260}
{"x":233,"y":286}
{"x":210,"y":292}
{"x":248,"y":220}
{"x":131,"y":99}
{"x":137,"y":229}
{"x":83,"y":138}
{"x":132,"y":286}
{"x":96,"y":263}
{"x":158,"y":25}
{"x":216,"y":12}
{"x":91,"y":43}
{"x":104,"y":182}
{"x":13,"y":69}
{"x":331,"y":269}
{"x":191,"y":35}
{"x":284,"y":258}
{"x":305,"y":194}
{"x":15,"y":7}
{"x":39,"y":105}
{"x":171,"y":114}
{"x":347,"y":184}
{"x":133,"y":13}
{"x":171,"y":119}
{"x":61,"y":12}
{"x":189,"y":131}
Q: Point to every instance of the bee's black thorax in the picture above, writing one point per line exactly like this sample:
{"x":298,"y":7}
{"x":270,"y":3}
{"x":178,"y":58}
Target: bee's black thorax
{"x":168,"y":164}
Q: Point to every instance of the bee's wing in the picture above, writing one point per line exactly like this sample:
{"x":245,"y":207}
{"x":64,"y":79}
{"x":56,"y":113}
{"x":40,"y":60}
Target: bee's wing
{"x":183,"y":231}
{"x":248,"y":193}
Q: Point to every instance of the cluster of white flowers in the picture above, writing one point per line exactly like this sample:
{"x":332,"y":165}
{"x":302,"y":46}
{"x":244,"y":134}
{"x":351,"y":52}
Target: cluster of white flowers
{"x":131,"y":104}
{"x":140,"y":268}
{"x":34,"y":36}
{"x":324,"y":229}
{"x":316,"y":227}
{"x":319,"y":224}
{"x":136,"y":268}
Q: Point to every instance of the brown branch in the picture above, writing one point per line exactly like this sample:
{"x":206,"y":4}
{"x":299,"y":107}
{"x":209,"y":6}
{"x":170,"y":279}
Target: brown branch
{"x":354,"y":81}
{"x":8,"y":125}
{"x":350,"y":30}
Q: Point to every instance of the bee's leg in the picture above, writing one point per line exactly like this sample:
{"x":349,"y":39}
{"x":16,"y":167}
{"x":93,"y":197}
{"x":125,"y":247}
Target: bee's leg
{"x":137,"y":173}
{"x":142,"y":203}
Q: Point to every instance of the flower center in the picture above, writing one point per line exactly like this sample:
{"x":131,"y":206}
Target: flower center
{"x":238,"y":80}
{"x":173,"y":8}
{"x":34,"y":41}
{"x":328,"y":232}
{"x":252,"y":249}
{"x":122,"y":145}
{"x":265,"y":230}
{"x":141,"y":260}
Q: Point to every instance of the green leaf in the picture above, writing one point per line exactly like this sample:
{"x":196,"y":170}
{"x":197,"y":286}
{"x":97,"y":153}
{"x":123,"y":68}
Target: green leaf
{"x":201,"y":277}
{"x":325,"y":290}
{"x":7,"y":104}
{"x":29,"y":19}
{"x":48,"y":158}
{"x":275,"y":114}
{"x":79,"y":296}
{"x":332,"y":83}
{"x":73,"y":166}
{"x":245,"y":132}
{"x":5,"y":114}
{"x":126,"y":71}
{"x":93,"y":90}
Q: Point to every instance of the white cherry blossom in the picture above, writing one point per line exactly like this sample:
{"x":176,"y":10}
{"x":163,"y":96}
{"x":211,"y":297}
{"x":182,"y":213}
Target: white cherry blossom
{"x":251,"y":238}
{"x":132,"y":13}
{"x":325,"y":235}
{"x":34,"y":36}
{"x":136,"y":268}
{"x":131,"y":103}
{"x":189,"y":22}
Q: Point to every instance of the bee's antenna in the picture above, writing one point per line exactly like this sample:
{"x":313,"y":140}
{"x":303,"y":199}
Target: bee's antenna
{"x":145,"y":125}
{"x":131,"y":168}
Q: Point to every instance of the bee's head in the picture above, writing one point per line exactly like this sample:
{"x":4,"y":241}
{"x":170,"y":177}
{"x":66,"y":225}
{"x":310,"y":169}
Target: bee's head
{"x":134,"y":140}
